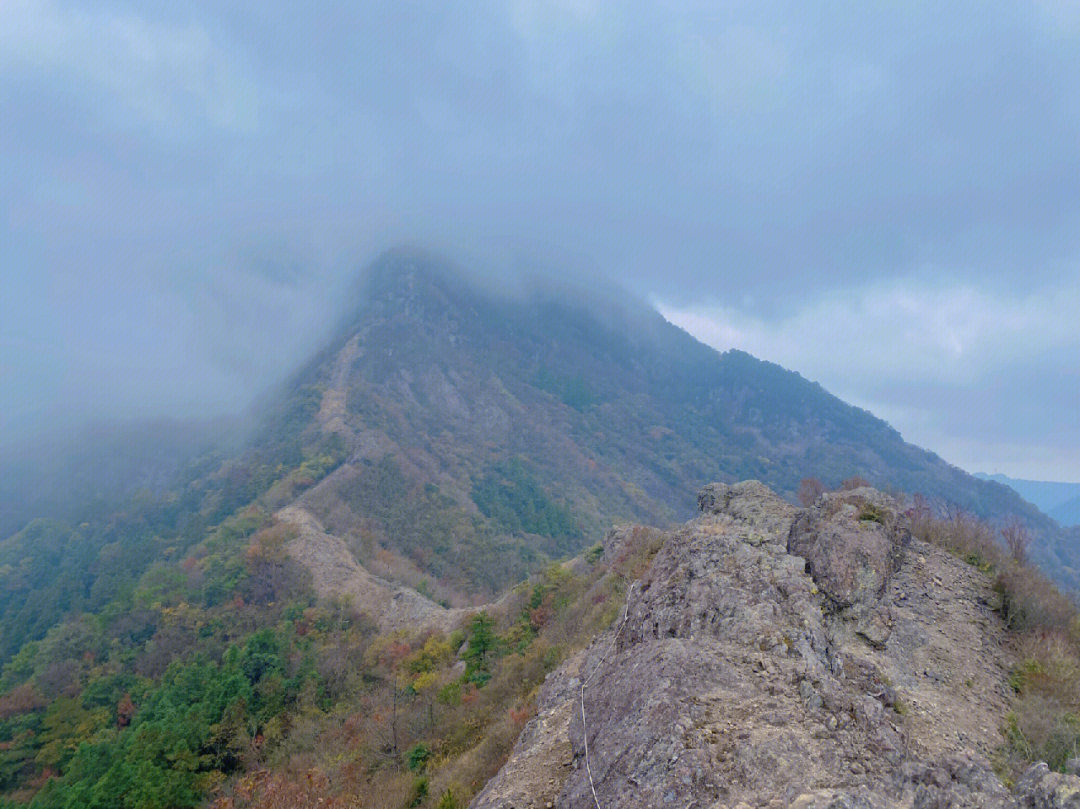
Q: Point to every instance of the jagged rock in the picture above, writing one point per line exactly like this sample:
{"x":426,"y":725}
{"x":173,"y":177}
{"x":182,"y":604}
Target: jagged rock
{"x":750,"y":501}
{"x":1039,"y":788}
{"x":868,"y":673}
{"x":954,"y":782}
{"x":875,"y":626}
{"x":852,"y":542}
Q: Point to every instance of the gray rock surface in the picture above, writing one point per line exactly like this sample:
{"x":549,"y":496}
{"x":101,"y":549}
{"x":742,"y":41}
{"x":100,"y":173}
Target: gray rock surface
{"x":773,"y":656}
{"x":1041,"y":789}
{"x":853,"y":543}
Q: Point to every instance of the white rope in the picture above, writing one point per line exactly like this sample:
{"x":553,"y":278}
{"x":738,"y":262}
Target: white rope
{"x":585,"y":682}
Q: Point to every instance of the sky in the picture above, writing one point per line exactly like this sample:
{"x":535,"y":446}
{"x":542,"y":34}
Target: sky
{"x":882,"y":196}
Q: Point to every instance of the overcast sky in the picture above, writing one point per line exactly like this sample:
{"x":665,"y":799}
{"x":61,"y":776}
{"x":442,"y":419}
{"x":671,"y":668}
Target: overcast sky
{"x":882,"y":196}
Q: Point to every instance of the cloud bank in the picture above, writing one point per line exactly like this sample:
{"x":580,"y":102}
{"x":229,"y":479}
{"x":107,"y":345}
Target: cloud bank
{"x":956,"y":368}
{"x":185,"y":189}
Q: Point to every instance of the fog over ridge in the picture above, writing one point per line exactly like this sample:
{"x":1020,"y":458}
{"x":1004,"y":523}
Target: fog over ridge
{"x":886,"y":200}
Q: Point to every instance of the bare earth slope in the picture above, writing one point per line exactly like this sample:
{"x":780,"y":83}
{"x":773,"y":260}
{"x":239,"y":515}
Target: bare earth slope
{"x":777,"y":657}
{"x":336,"y":574}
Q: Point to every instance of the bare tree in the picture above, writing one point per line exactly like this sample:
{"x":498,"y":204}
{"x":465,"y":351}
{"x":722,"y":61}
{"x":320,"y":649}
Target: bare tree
{"x":810,"y":489}
{"x":1017,"y":539}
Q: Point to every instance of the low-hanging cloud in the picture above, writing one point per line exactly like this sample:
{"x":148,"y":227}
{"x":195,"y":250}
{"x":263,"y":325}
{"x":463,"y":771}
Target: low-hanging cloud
{"x":772,"y":161}
{"x":135,"y":70}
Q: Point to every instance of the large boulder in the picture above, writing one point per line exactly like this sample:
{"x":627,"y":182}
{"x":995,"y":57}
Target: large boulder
{"x":1040,"y":788}
{"x":853,"y":542}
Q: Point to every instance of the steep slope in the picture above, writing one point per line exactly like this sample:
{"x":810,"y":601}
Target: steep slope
{"x":487,"y":431}
{"x":769,"y":657}
{"x":336,"y":575}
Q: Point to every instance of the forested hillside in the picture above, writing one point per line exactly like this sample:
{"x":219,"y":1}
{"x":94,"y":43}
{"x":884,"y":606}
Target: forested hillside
{"x":590,"y":406}
{"x":159,"y":638}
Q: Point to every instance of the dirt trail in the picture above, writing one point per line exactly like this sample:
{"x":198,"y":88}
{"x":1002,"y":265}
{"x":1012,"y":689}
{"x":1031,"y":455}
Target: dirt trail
{"x":337,"y":574}
{"x":332,"y":410}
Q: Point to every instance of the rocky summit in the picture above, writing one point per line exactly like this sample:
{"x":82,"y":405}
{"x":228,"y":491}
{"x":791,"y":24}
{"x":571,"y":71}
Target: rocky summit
{"x":777,"y":657}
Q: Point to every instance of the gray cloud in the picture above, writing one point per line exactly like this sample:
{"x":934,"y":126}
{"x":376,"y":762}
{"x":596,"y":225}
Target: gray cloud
{"x":172,"y":183}
{"x":985,"y":378}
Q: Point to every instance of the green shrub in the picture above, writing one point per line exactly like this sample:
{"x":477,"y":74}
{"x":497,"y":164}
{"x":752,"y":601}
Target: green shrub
{"x":1018,"y":677}
{"x":420,"y":790}
{"x":417,"y":757}
{"x":448,"y":801}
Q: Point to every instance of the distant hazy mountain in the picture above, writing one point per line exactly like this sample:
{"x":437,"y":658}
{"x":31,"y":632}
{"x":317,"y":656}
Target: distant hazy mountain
{"x":456,"y":438}
{"x":1061,"y":501}
{"x":1068,"y":513}
{"x":486,"y":431}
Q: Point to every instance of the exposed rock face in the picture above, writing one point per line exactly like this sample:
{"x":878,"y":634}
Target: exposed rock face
{"x":778,"y":657}
{"x":853,"y":543}
{"x":1042,"y":789}
{"x":336,"y":574}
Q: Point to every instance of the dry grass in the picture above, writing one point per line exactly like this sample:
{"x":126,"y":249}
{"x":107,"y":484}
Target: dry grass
{"x":355,"y":754}
{"x":1045,"y":724}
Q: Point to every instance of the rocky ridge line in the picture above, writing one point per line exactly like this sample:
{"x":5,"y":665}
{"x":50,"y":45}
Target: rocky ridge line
{"x":336,"y":574}
{"x":777,"y":657}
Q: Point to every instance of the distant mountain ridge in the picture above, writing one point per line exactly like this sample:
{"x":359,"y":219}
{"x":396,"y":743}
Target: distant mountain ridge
{"x":1061,"y":501}
{"x":519,"y":425}
{"x":172,"y":593}
{"x":1068,"y":513}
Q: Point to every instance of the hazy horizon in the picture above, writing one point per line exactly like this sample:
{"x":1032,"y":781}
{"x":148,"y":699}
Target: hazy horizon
{"x":886,"y":201}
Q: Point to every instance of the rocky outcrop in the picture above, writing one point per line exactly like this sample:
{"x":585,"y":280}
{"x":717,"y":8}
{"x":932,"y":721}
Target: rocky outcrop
{"x":1041,"y":789}
{"x":852,"y":542}
{"x":772,"y":656}
{"x":335,"y":573}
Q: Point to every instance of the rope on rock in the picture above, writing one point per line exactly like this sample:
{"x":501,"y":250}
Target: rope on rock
{"x":585,"y":682}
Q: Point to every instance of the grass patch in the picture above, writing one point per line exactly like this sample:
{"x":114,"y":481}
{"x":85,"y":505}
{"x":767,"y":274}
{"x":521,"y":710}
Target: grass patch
{"x":871,"y":513}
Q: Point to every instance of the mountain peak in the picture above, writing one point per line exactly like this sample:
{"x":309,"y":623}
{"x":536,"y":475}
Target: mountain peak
{"x":616,"y":413}
{"x":407,"y":273}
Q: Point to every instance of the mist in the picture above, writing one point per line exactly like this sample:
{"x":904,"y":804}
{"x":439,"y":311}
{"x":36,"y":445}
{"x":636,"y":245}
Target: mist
{"x":188,"y":194}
